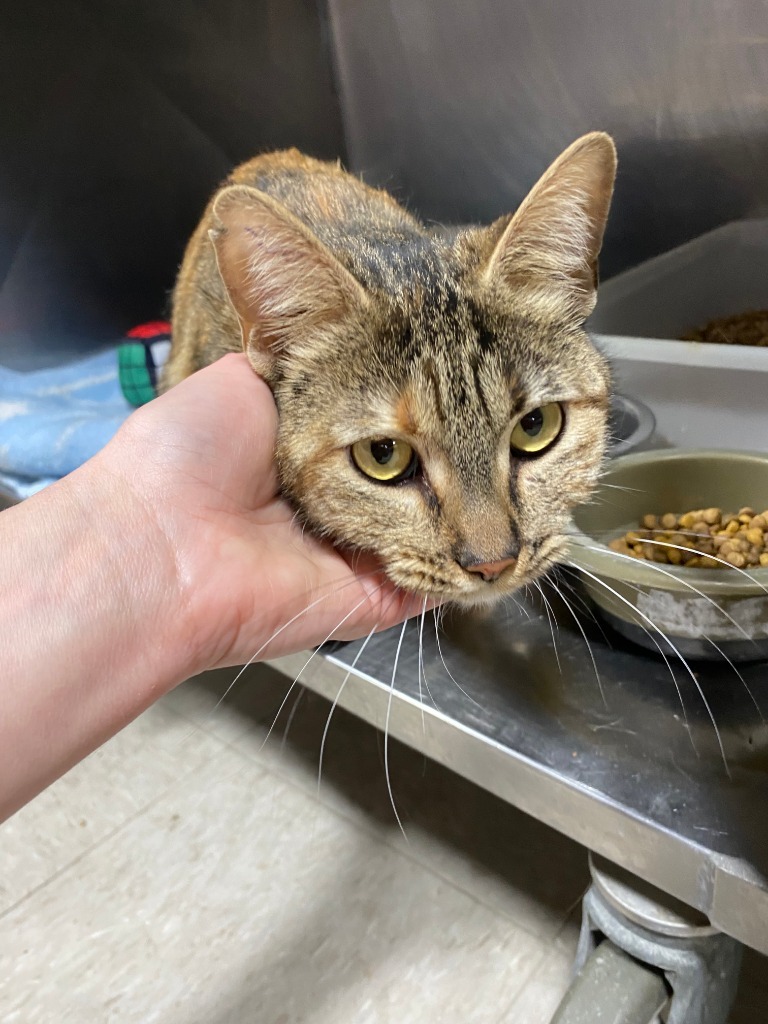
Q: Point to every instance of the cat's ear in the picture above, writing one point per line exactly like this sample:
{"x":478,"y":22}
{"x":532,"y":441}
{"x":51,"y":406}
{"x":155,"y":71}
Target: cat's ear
{"x":282,"y":281}
{"x":553,"y":240}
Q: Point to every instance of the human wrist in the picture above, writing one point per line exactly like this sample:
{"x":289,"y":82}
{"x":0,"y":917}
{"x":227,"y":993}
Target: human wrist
{"x":94,"y":582}
{"x":142,"y":601}
{"x":86,"y":611}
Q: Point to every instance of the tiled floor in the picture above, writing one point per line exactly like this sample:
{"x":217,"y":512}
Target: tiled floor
{"x":187,"y":874}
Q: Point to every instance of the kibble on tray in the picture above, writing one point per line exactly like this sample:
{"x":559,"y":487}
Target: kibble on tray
{"x":706,"y":538}
{"x":750,"y":328}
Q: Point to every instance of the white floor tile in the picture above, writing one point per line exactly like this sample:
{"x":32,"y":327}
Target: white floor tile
{"x":541,"y":994}
{"x":236,"y":898}
{"x":185,"y":875}
{"x":97,"y":796}
{"x":227,"y":708}
{"x":457,"y":830}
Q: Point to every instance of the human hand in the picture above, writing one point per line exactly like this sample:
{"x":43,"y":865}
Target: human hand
{"x":241,"y":578}
{"x":168,"y":553}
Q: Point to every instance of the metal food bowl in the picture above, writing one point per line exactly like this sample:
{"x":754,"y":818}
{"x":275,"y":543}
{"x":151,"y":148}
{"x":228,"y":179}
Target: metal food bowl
{"x":699,"y":613}
{"x":7,"y":500}
{"x":630,"y":424}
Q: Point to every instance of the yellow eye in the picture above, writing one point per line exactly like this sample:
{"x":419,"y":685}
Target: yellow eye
{"x":538,"y":429}
{"x":385,"y":459}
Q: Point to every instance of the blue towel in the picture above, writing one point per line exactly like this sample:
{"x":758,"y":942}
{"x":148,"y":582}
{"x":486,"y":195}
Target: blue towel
{"x":51,"y":421}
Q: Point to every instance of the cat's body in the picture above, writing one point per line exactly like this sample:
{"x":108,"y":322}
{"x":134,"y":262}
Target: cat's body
{"x":384,"y":340}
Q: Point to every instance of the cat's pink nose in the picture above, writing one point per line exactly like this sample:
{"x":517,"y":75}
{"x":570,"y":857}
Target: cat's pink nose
{"x":491,"y":571}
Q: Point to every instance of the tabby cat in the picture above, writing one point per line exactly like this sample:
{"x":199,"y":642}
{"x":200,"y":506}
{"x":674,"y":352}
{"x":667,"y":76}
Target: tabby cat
{"x":440,"y":402}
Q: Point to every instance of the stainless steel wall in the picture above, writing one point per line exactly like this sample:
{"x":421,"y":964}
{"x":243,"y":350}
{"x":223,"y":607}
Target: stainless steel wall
{"x":460,"y":104}
{"x":116,"y":121}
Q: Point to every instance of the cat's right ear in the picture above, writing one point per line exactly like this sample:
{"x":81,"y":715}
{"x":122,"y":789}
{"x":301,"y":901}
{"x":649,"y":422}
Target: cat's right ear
{"x":282,"y":281}
{"x":553,"y":241}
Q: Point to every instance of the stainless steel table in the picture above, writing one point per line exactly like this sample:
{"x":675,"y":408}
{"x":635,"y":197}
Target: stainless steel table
{"x":607,"y":744}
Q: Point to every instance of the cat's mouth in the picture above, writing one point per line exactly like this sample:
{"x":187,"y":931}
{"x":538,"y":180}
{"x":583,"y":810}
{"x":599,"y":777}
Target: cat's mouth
{"x":451,"y":582}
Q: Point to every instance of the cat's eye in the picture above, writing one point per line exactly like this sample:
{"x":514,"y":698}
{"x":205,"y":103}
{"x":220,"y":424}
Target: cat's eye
{"x":537,"y":430}
{"x":385,"y":459}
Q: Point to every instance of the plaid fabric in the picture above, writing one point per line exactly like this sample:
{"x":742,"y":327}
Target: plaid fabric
{"x":140,"y":358}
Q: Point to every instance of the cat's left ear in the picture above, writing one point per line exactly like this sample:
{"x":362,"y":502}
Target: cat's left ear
{"x":553,"y":240}
{"x":282,"y":281}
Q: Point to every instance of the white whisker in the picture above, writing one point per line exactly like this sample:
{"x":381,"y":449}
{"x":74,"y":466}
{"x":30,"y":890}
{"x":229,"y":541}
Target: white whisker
{"x":741,"y":678}
{"x":576,"y":619}
{"x":520,"y":607}
{"x":671,"y":671}
{"x":386,"y":731}
{"x":308,"y":661}
{"x":443,"y":613}
{"x":620,"y":487}
{"x":420,"y":668}
{"x":429,"y":691}
{"x":285,"y":625}
{"x":695,"y":551}
{"x":551,"y":621}
{"x":584,"y":606}
{"x":690,"y":586}
{"x":336,"y":700}
{"x":685,"y":664}
{"x":448,"y":671}
{"x":293,"y":710}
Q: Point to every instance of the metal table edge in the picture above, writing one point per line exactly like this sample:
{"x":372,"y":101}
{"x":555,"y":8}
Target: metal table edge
{"x":721,"y":887}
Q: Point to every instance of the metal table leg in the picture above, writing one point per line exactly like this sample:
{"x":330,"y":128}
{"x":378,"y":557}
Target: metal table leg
{"x":665,"y":939}
{"x":613,"y":988}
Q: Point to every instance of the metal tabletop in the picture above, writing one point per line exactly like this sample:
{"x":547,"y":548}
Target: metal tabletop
{"x":607,"y":744}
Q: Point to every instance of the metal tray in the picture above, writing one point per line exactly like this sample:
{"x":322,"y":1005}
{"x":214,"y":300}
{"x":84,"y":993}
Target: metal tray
{"x":588,"y":736}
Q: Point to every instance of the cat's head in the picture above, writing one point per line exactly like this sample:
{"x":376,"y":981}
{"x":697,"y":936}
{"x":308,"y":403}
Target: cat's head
{"x":440,"y":402}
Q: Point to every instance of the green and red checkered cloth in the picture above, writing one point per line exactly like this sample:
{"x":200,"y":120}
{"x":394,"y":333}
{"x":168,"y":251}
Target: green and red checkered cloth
{"x":140,"y":358}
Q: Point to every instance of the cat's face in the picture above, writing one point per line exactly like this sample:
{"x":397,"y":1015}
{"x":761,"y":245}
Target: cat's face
{"x":448,"y":413}
{"x":463,"y":485}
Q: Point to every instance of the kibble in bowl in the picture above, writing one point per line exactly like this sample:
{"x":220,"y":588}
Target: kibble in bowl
{"x":705,"y":538}
{"x":673,"y":551}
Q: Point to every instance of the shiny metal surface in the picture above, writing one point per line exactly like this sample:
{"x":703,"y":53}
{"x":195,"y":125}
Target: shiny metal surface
{"x":119,"y":120}
{"x":644,"y":904}
{"x":630,"y":425}
{"x":695,"y":648}
{"x":7,"y":500}
{"x":701,"y":971}
{"x":602,"y":751}
{"x":460,"y":106}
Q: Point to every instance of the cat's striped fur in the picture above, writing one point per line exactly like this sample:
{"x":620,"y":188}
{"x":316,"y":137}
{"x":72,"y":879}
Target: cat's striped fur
{"x":367,"y":323}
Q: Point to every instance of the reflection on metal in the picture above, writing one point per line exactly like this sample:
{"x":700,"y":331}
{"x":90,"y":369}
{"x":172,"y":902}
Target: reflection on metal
{"x":121,"y":121}
{"x":645,"y":905}
{"x":460,"y":106}
{"x":603,"y":752}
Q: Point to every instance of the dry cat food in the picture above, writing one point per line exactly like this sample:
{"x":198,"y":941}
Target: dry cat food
{"x":706,"y":538}
{"x":750,"y":328}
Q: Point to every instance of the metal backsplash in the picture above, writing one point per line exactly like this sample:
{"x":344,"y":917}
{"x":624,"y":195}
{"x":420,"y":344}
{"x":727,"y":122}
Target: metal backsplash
{"x":117,"y":121}
{"x":460,"y":105}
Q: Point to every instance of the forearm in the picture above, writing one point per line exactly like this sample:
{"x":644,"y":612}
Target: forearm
{"x":168,"y":553}
{"x":86,"y":627}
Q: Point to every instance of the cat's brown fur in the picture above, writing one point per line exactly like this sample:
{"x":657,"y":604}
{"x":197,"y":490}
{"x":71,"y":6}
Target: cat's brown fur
{"x":368,"y":324}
